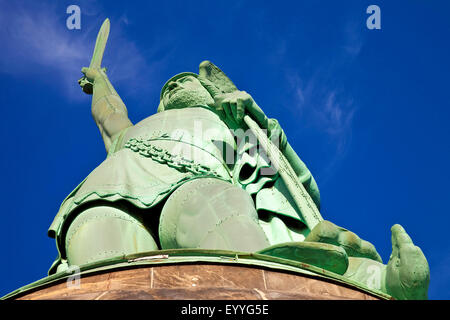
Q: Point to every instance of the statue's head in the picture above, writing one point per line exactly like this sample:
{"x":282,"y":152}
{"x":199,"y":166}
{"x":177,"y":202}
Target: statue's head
{"x":183,"y":91}
{"x":189,"y":89}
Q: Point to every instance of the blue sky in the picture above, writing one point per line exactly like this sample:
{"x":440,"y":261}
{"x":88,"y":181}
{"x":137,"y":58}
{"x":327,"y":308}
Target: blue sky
{"x":366,"y":110}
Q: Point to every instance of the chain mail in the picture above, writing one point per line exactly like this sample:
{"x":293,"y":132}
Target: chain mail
{"x":146,"y":149}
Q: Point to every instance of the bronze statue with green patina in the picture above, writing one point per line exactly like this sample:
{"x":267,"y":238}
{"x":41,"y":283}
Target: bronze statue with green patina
{"x":210,"y":170}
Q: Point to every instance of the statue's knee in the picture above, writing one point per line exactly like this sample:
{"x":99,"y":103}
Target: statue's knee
{"x":104,"y":232}
{"x":200,"y":207}
{"x":328,"y":232}
{"x":325,"y":231}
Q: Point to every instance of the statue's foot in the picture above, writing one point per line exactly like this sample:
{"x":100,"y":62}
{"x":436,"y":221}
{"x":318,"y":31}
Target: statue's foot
{"x":407,"y":273}
{"x":328,"y":232}
{"x":322,"y":255}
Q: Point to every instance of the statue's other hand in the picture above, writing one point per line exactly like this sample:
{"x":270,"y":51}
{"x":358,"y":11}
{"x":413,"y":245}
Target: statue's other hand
{"x":408,"y":273}
{"x":327,"y":232}
{"x":234,"y":104}
{"x":90,"y":75}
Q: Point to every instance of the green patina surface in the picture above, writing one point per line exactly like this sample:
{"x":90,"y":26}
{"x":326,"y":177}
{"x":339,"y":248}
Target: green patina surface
{"x":211,"y":171}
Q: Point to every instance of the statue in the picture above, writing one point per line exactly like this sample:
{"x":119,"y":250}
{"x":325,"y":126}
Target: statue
{"x":193,"y":175}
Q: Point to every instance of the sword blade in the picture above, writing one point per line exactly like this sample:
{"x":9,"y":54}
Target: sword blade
{"x":305,"y":204}
{"x":100,"y":45}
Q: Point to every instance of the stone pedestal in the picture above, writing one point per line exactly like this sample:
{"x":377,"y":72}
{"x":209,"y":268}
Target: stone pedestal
{"x":198,"y":281}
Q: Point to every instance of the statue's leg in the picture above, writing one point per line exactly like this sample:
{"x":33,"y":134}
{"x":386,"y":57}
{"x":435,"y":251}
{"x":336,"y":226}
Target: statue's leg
{"x":280,"y":229}
{"x":103,"y":232}
{"x":209,"y":213}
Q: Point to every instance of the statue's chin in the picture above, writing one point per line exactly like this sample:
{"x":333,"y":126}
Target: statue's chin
{"x":188,"y":99}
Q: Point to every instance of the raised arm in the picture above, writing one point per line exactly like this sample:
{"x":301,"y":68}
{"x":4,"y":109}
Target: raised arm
{"x":108,"y":110}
